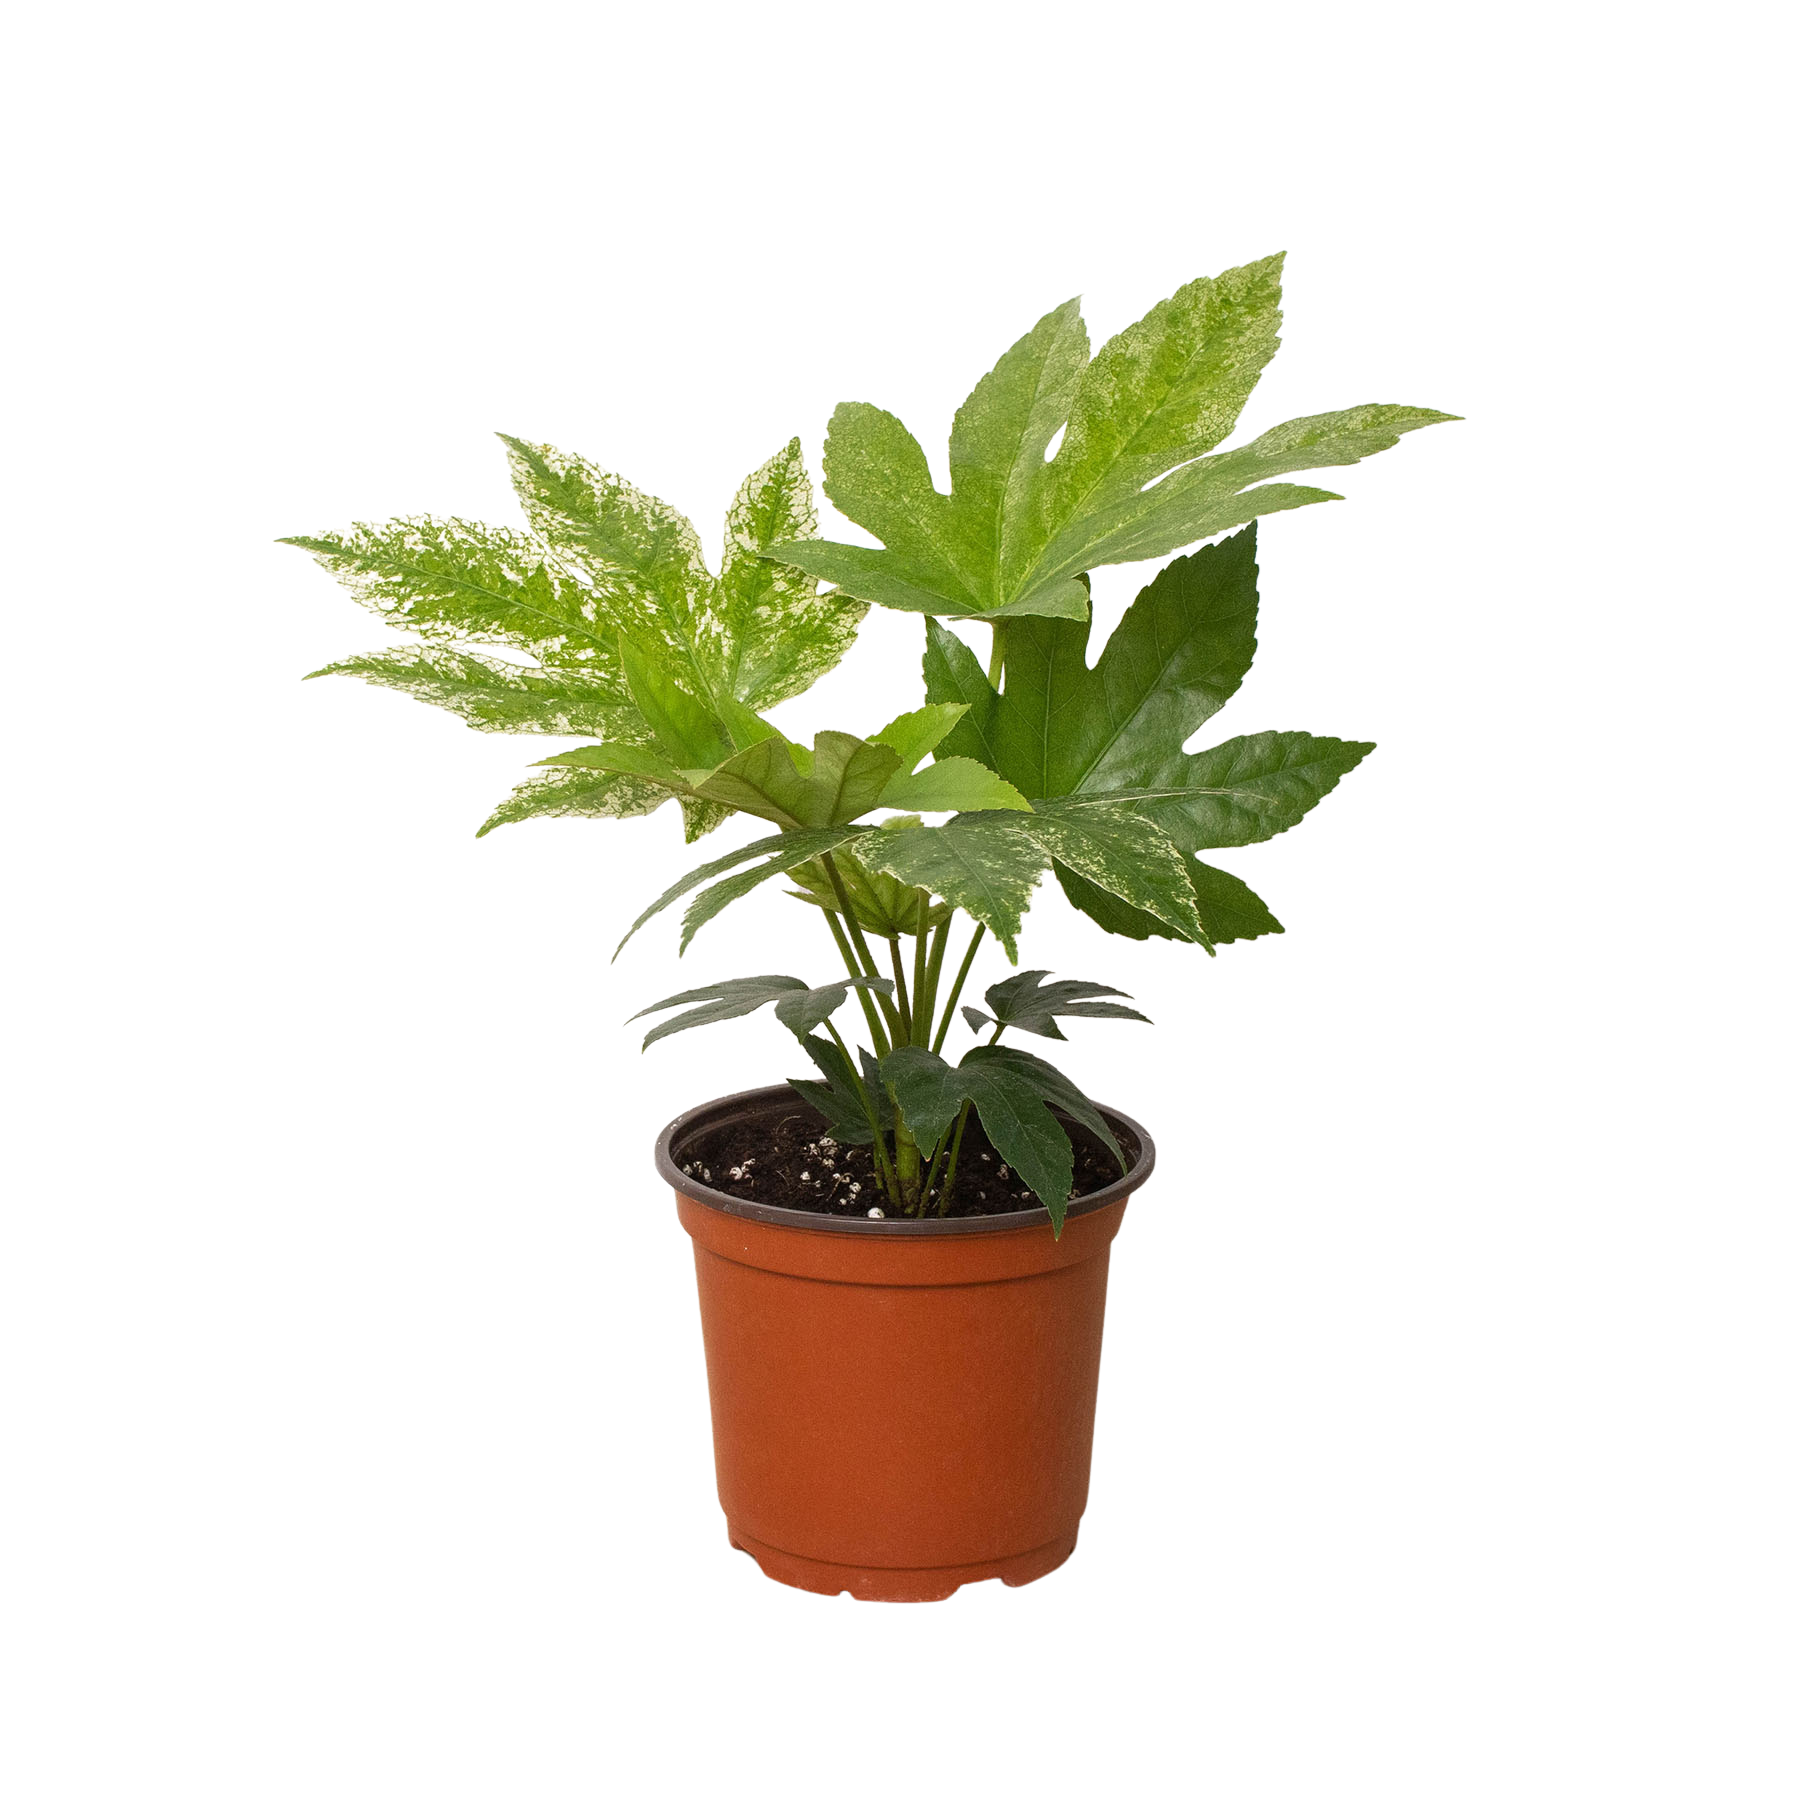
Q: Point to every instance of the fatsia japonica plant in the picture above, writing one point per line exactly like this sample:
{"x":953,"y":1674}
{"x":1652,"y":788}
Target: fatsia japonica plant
{"x":1060,"y":463}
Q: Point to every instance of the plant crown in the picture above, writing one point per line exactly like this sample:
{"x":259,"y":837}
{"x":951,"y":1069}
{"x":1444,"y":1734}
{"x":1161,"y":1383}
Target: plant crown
{"x":1060,"y":463}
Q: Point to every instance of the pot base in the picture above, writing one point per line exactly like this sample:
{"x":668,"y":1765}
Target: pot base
{"x":899,"y":1584}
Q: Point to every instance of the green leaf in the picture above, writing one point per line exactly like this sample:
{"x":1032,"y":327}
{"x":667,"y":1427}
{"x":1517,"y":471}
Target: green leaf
{"x":1022,"y":1128}
{"x":607,"y":563}
{"x":723,"y":1000}
{"x":954,"y":676}
{"x":576,"y":794}
{"x":797,"y":1006}
{"x":1130,"y":480}
{"x":802,"y":1013}
{"x":1229,"y":910}
{"x":1022,"y":1002}
{"x":927,"y":1090}
{"x":641,"y":556}
{"x":1099,"y":751}
{"x":1013,"y":1093}
{"x":778,"y":633}
{"x":449,"y":581}
{"x":1055,"y":1087}
{"x":1180,"y":652}
{"x":978,"y":861}
{"x":839,"y":779}
{"x":914,"y":735}
{"x":1002,"y":430}
{"x":497,"y":696}
{"x":688,"y":731}
{"x":840,"y":1097}
{"x":954,"y":784}
{"x":882,"y":905}
{"x":785,"y":850}
{"x":621,"y":759}
{"x":1131,"y":857}
{"x":1243,"y":791}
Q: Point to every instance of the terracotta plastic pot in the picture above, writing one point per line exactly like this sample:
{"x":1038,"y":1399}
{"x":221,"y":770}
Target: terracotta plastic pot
{"x":898,"y":1406}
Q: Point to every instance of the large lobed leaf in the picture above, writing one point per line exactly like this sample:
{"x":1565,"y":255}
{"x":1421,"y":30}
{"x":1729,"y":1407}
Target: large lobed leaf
{"x":636,"y":643}
{"x":1131,"y":479}
{"x":1095,"y":747}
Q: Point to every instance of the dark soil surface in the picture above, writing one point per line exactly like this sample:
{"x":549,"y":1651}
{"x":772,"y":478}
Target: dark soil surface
{"x":785,"y":1157}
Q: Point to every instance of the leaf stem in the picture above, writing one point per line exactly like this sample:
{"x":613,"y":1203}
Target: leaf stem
{"x":997,"y":661}
{"x":921,"y":998}
{"x":935,"y":968}
{"x":962,"y":1119}
{"x":876,"y":1034}
{"x":962,"y":975}
{"x":902,"y":1000}
{"x":854,"y":927}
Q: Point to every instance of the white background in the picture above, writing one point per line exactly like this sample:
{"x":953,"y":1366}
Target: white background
{"x":354,"y":1414}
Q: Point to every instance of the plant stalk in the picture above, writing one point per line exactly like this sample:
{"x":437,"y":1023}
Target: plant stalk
{"x":962,"y":975}
{"x":921,"y":996}
{"x":888,"y":1010}
{"x":902,"y":999}
{"x":876,"y":1035}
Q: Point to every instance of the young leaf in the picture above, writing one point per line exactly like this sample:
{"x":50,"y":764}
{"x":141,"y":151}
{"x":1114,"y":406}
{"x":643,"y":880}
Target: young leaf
{"x":1023,"y":1003}
{"x":839,"y":779}
{"x":954,"y":784}
{"x":883,"y":906}
{"x":914,"y":735}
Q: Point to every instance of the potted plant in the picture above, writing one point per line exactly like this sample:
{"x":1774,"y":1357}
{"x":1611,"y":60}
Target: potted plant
{"x":902,"y":1256}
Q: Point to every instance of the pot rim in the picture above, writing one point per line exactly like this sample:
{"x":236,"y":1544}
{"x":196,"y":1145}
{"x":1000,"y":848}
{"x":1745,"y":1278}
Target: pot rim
{"x":713,"y":1111}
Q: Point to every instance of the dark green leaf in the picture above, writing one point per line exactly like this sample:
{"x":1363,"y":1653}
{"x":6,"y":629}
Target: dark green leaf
{"x":1023,"y":1002}
{"x":840,"y":1096}
{"x":803,"y":1012}
{"x":928,"y":1092}
{"x":785,"y":850}
{"x":723,"y":1000}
